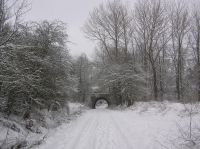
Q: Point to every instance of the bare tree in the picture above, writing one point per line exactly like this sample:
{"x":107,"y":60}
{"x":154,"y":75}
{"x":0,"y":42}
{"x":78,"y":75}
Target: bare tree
{"x":179,"y":23}
{"x":195,"y":43}
{"x":127,"y":30}
{"x":82,"y":67}
{"x":10,"y":17}
{"x":151,"y":26}
{"x":110,"y":25}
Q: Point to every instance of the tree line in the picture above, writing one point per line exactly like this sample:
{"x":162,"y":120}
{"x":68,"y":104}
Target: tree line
{"x":36,"y":69}
{"x":148,"y":51}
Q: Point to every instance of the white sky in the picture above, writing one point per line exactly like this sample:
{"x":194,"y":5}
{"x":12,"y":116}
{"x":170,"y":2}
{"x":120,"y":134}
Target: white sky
{"x":72,"y":12}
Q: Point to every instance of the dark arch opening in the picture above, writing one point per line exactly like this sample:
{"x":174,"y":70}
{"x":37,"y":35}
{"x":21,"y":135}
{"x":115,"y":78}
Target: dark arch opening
{"x":101,"y":102}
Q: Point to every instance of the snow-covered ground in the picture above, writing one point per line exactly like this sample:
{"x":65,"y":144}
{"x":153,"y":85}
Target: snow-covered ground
{"x":143,"y":126}
{"x":13,"y":130}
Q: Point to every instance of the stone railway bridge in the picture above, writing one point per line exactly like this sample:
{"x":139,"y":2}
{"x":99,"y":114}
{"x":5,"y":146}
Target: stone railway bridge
{"x":94,"y":97}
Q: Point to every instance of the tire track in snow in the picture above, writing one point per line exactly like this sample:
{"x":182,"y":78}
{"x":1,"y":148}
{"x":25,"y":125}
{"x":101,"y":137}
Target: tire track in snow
{"x":121,"y":133}
{"x":100,"y":132}
{"x":108,"y":129}
{"x":105,"y":137}
{"x":85,"y":132}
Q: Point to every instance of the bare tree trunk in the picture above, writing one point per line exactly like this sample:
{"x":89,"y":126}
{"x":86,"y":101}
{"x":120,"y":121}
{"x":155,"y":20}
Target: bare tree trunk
{"x":178,"y":85}
{"x":180,"y":26}
{"x":161,"y":76}
{"x":116,"y":50}
{"x":155,"y":86}
{"x":198,"y":52}
{"x":195,"y":44}
{"x":198,"y":81}
{"x":178,"y":77}
{"x":198,"y":60}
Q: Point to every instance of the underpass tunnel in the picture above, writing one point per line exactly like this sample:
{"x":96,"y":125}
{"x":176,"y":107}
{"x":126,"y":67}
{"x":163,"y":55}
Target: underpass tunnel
{"x":101,"y":103}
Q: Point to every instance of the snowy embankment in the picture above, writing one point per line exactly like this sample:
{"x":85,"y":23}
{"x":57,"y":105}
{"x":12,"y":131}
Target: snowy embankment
{"x":14,"y":131}
{"x":151,"y":125}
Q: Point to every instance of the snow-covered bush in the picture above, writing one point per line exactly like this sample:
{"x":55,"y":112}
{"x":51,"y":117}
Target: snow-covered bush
{"x":36,"y":68}
{"x":126,"y":82}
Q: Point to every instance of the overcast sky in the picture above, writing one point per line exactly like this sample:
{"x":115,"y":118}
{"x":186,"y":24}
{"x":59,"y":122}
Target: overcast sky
{"x":72,"y":12}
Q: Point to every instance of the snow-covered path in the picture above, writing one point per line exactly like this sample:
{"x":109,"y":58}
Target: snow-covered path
{"x":109,"y":129}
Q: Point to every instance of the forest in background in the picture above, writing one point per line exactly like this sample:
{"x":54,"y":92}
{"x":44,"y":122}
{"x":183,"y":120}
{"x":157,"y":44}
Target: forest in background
{"x":148,"y":52}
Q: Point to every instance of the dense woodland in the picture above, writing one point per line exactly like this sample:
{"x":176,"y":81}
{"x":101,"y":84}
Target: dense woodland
{"x":150,"y":51}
